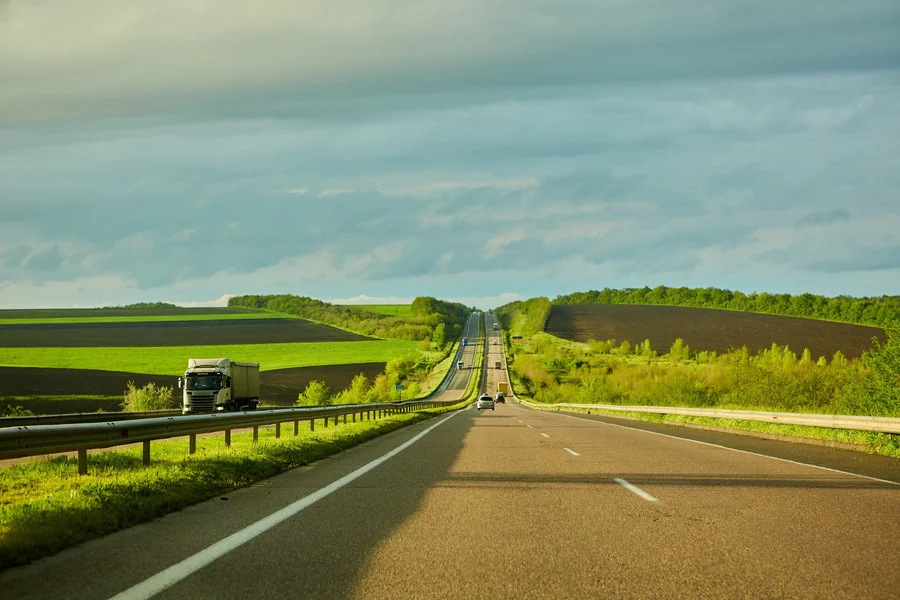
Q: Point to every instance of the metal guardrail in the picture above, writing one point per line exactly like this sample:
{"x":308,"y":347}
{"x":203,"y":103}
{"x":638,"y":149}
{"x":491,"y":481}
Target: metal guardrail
{"x":17,"y":442}
{"x":97,"y":417}
{"x":858,"y":423}
{"x":35,"y":440}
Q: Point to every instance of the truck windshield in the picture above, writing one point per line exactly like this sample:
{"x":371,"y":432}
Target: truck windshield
{"x":213,"y":382}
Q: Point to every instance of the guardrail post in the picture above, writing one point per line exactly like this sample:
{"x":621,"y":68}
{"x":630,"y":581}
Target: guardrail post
{"x":296,"y":428}
{"x":82,"y":462}
{"x":255,"y":433}
{"x":354,"y":417}
{"x":345,"y":419}
{"x":146,"y":453}
{"x":228,"y":438}
{"x":312,"y":424}
{"x":277,"y":430}
{"x":192,"y":443}
{"x":326,"y":422}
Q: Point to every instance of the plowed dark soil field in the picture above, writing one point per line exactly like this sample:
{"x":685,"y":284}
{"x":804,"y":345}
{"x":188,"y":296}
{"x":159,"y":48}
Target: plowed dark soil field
{"x":707,"y":329}
{"x":170,"y":333}
{"x":276,"y":387}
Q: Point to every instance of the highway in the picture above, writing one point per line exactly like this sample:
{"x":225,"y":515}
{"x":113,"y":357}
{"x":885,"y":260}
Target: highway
{"x":516,"y":503}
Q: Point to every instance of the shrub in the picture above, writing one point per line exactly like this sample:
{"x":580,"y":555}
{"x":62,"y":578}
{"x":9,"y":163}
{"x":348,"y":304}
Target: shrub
{"x":149,"y":397}
{"x":15,"y":411}
{"x":315,"y":394}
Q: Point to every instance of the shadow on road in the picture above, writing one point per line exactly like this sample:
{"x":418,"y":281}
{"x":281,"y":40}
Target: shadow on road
{"x":321,"y":552}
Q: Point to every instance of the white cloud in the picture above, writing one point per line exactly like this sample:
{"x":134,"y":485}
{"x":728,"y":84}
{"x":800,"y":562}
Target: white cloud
{"x":504,"y":238}
{"x":106,"y":57}
{"x":221,"y":301}
{"x":334,"y":192}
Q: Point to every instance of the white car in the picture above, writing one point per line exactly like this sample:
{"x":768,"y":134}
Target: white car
{"x":484,"y":401}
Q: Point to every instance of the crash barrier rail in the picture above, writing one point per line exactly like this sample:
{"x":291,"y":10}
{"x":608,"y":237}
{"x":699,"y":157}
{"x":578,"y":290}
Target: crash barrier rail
{"x":17,"y":442}
{"x":858,"y":423}
{"x":35,"y":440}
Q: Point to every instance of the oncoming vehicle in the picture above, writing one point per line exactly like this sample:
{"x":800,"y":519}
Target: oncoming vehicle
{"x":484,"y":401}
{"x":460,"y":365}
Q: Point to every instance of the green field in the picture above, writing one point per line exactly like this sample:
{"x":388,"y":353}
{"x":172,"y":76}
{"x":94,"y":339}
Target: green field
{"x":53,"y":316}
{"x":171,"y":360}
{"x":391,"y":310}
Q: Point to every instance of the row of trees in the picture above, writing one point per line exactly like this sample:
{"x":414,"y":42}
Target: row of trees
{"x":433,"y":319}
{"x":882,"y":311}
{"x":403,"y":369}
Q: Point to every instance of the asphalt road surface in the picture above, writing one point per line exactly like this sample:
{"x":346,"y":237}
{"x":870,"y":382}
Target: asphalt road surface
{"x":512,"y":503}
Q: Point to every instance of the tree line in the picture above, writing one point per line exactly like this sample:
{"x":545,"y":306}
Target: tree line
{"x":433,"y":320}
{"x":881,"y":311}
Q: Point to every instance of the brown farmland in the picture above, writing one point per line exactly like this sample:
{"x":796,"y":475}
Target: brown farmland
{"x":170,"y":333}
{"x":69,"y":313}
{"x":707,"y":329}
{"x":18,"y":385}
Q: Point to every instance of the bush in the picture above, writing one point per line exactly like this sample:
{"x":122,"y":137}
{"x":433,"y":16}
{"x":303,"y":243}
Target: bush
{"x":315,"y":394}
{"x":149,"y":397}
{"x":15,"y":411}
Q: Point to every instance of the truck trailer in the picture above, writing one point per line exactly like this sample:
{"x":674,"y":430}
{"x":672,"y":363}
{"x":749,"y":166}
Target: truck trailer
{"x":503,"y":387}
{"x":219,"y":384}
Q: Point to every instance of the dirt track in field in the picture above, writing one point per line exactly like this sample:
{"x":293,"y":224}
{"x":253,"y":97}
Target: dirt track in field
{"x":170,"y":333}
{"x":276,"y":387}
{"x":707,"y":329}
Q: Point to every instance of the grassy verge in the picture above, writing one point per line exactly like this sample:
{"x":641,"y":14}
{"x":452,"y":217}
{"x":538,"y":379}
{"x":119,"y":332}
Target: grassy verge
{"x":439,"y":371}
{"x":171,"y":360}
{"x":45,"y":506}
{"x":885,"y":444}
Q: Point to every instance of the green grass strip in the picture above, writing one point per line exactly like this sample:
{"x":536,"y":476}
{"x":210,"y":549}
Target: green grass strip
{"x":172,"y":360}
{"x":45,"y":506}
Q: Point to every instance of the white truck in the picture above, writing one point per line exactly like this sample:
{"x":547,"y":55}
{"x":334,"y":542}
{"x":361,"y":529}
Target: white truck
{"x":219,"y":384}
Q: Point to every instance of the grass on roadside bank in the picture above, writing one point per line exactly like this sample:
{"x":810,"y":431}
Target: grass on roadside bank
{"x":45,"y":506}
{"x":885,"y":444}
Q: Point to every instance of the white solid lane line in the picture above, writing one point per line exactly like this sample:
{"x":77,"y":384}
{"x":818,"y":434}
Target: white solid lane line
{"x":635,"y":489}
{"x":572,"y":452}
{"x":787,"y":460}
{"x":545,"y":435}
{"x":179,"y":571}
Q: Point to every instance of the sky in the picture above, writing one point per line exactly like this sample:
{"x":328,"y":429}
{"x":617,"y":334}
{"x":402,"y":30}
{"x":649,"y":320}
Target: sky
{"x":374,"y":150}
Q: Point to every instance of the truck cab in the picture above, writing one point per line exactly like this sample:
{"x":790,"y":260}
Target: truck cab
{"x":219,"y":384}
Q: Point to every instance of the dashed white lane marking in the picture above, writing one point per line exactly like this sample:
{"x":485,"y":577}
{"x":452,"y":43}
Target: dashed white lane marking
{"x":787,"y":460}
{"x":572,"y":452}
{"x":545,"y":435}
{"x":636,"y":490}
{"x":528,"y":426}
{"x":179,"y":571}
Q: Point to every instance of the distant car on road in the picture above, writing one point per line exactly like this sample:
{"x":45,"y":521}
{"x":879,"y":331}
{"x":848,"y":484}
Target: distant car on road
{"x":484,"y":401}
{"x":501,"y":397}
{"x":460,"y":365}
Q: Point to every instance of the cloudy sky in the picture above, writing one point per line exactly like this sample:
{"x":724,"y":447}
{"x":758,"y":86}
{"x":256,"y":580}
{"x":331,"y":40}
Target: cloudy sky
{"x":184,"y":150}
